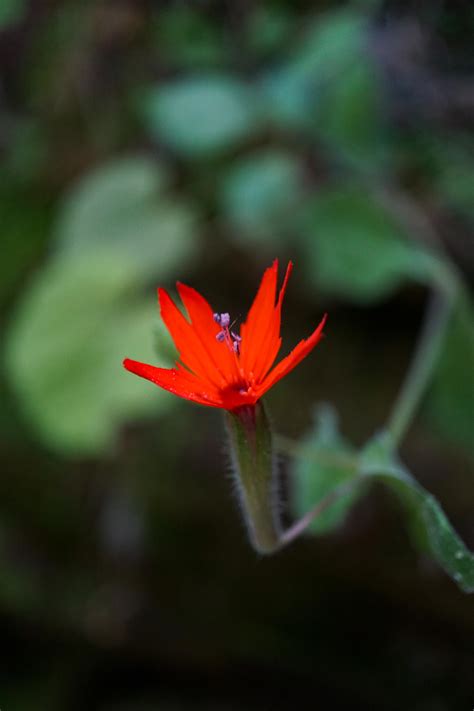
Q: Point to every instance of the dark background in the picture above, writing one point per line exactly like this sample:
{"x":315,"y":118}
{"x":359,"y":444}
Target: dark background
{"x":143,"y":143}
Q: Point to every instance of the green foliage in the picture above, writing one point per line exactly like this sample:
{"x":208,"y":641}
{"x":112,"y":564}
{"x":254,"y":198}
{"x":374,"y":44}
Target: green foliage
{"x":325,"y":464}
{"x":83,"y":313}
{"x":123,"y":207}
{"x":350,"y":121}
{"x":186,"y":38}
{"x":356,"y":249}
{"x":269,"y":27}
{"x":11,"y":12}
{"x":429,"y":526}
{"x":451,"y":402}
{"x":329,"y":89}
{"x":454,"y":178}
{"x":74,"y":326}
{"x":202,"y":114}
{"x":293,"y":89}
{"x":330,"y":44}
{"x":260,"y":192}
{"x":326,"y":454}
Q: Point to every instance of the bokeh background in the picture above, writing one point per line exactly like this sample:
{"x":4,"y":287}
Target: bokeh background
{"x":146,"y":142}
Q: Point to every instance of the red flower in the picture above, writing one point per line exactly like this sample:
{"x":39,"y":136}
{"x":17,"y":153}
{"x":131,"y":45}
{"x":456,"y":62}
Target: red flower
{"x":218,"y":367}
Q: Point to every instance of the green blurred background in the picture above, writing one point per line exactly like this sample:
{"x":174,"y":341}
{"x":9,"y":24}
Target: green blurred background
{"x":142,"y":143}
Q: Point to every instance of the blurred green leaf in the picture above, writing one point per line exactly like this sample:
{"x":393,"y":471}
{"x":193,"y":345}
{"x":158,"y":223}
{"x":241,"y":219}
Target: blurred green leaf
{"x":269,"y":28}
{"x":349,"y":118}
{"x":287,"y":96}
{"x":65,"y":347}
{"x":82,"y":316}
{"x":327,"y":462}
{"x":11,"y":12}
{"x":454,"y":177}
{"x":329,"y":47}
{"x":355,"y":248}
{"x":330,"y":42}
{"x":186,"y":37}
{"x":329,"y":88}
{"x":430,"y":528}
{"x":202,"y":114}
{"x":259,"y":193}
{"x":123,"y":207}
{"x":451,"y":401}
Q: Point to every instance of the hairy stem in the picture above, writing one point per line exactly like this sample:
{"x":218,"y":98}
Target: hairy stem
{"x":254,"y":470}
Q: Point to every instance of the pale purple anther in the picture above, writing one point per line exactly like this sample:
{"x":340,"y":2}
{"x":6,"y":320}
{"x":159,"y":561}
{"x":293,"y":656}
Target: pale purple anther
{"x":233,"y":339}
{"x":225,"y":320}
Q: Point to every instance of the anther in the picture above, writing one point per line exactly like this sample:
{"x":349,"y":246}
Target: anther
{"x":225,"y":320}
{"x":232,"y":339}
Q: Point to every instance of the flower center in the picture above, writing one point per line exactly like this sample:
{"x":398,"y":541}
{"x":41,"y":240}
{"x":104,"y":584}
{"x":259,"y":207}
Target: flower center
{"x":227,"y":336}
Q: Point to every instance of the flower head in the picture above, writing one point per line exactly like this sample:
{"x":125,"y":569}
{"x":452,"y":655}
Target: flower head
{"x":219,"y":367}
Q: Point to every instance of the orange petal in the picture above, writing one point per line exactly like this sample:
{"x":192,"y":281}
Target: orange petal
{"x":202,"y":319}
{"x":259,"y":320}
{"x":272,"y":341}
{"x":286,"y":365}
{"x":176,"y":381}
{"x":191,"y":350}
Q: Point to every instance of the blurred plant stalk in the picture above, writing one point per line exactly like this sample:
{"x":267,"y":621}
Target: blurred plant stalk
{"x":445,"y":290}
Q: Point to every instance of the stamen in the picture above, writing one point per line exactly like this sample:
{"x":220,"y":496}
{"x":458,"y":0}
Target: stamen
{"x":225,"y":320}
{"x":231,"y":338}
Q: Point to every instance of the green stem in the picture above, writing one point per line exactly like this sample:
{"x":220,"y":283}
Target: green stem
{"x":300,"y":526}
{"x":421,"y":369}
{"x":254,"y":468}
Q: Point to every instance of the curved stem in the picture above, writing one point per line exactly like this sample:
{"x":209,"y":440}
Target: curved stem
{"x":421,"y":369}
{"x":295,"y":530}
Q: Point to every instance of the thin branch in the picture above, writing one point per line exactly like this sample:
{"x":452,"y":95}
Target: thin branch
{"x":422,"y":367}
{"x":302,"y":524}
